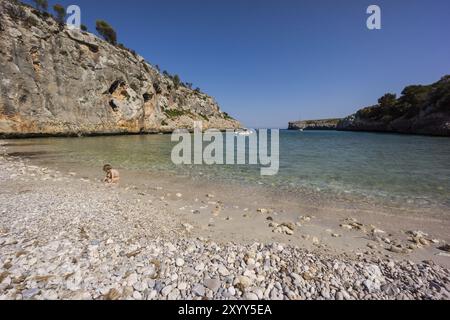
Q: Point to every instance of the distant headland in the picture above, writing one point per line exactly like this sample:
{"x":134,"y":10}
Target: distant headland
{"x":325,"y":124}
{"x":421,"y":109}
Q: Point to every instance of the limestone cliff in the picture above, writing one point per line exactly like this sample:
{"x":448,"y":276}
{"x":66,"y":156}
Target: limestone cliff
{"x":56,"y":81}
{"x":326,"y":124}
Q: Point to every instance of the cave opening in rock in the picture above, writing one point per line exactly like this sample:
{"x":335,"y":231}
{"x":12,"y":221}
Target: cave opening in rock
{"x":113,"y":106}
{"x":147,"y":97}
{"x":116,"y":84}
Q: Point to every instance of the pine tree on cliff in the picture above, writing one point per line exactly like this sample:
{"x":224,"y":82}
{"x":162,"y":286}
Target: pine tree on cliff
{"x":176,"y":81}
{"x":60,"y":13}
{"x":41,"y":5}
{"x":106,"y":31}
{"x":388,"y":100}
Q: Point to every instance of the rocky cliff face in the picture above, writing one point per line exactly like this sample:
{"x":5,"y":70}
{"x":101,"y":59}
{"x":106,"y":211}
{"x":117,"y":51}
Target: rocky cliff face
{"x":56,"y":81}
{"x":420,"y":110}
{"x":327,"y":124}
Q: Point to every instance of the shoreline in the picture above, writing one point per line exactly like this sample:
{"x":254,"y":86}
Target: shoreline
{"x":377,"y":132}
{"x":74,"y":135}
{"x":200,"y":249}
{"x":19,"y":136}
{"x":329,"y":210}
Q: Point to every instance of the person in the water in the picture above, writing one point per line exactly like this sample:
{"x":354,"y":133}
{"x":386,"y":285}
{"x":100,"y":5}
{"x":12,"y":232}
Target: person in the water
{"x":112,"y":175}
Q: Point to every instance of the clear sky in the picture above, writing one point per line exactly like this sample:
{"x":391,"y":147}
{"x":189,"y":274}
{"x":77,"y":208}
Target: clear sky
{"x":269,"y":62}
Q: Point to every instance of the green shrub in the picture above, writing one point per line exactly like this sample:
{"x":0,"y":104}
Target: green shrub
{"x":388,"y":100}
{"x":414,"y":99}
{"x":41,"y":5}
{"x":106,"y":31}
{"x":176,"y":81}
{"x":227,"y":116}
{"x":175,"y":113}
{"x":60,"y":12}
{"x":415,"y":95}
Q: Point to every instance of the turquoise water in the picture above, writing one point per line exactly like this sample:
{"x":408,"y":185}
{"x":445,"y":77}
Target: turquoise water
{"x":397,"y":168}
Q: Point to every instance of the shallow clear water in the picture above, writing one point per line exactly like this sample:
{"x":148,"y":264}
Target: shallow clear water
{"x":396,"y":168}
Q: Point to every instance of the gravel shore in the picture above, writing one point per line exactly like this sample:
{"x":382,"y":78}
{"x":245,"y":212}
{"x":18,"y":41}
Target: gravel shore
{"x":66,"y":237}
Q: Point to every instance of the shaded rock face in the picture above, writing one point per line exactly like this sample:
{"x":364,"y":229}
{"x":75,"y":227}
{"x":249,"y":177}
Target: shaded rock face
{"x":327,"y":124}
{"x":56,"y":81}
{"x":420,"y":110}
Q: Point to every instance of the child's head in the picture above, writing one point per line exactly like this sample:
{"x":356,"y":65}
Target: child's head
{"x":107,"y":167}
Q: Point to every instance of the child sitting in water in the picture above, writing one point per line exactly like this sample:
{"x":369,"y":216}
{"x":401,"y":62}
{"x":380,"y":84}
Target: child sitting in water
{"x":112,"y":175}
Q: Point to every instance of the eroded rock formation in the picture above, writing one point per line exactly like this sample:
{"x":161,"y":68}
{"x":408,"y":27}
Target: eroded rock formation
{"x":56,"y":81}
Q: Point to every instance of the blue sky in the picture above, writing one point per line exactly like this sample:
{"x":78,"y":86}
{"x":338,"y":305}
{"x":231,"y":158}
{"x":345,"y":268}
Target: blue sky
{"x":269,"y":62}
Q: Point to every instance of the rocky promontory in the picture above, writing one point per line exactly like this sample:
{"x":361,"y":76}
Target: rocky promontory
{"x":57,"y":81}
{"x":421,"y":109}
{"x":327,"y":124}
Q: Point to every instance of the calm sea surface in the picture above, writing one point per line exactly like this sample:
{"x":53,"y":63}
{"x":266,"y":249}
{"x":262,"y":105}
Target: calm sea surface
{"x":384,"y":167}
